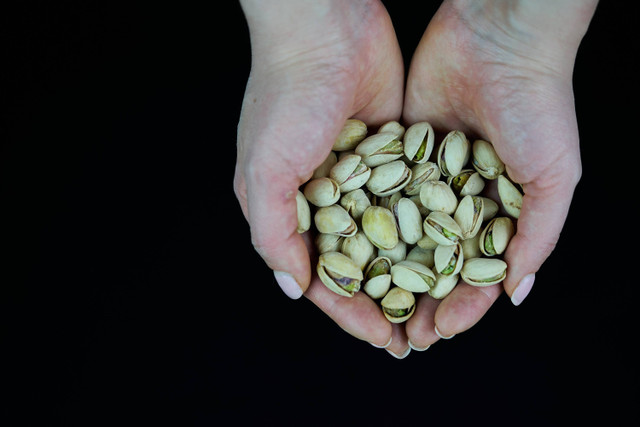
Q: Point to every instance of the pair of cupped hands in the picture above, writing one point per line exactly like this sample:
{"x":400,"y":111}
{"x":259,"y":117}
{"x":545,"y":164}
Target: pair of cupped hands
{"x":500,"y":71}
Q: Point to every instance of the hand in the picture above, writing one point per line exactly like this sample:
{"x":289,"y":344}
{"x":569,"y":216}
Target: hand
{"x":502,"y":71}
{"x":315,"y":64}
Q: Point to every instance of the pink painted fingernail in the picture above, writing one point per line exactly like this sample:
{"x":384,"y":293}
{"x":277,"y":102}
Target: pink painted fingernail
{"x":523,"y":289}
{"x":288,"y":284}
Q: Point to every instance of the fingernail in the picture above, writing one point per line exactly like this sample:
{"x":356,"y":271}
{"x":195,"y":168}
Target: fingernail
{"x":442,"y":336}
{"x":401,"y":356}
{"x":383,"y":346}
{"x":523,"y":289}
{"x":416,"y":348}
{"x":288,"y":284}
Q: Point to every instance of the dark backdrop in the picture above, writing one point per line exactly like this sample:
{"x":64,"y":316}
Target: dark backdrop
{"x":123,"y":297}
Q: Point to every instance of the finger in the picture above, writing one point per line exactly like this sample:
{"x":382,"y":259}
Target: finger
{"x":463,"y":308}
{"x":421,"y":326}
{"x":399,"y":347}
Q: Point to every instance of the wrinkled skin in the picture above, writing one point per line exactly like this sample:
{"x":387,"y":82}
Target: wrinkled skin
{"x":496,"y":76}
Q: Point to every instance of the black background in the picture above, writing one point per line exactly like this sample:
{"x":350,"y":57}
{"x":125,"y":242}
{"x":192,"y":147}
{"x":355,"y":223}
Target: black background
{"x":120,"y":299}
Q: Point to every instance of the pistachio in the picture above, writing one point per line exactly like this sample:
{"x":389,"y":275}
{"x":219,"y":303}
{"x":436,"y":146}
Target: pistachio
{"x":334,"y":219}
{"x":418,"y":142}
{"x":379,"y":149}
{"x":377,"y":277}
{"x":438,"y":196}
{"x":416,"y":201}
{"x":471,"y":247}
{"x":485,"y":160}
{"x":339,"y":273}
{"x":453,"y":153}
{"x":389,"y":178}
{"x":359,"y":249}
{"x":379,"y":226}
{"x":469,"y":215}
{"x":412,"y":276}
{"x":398,"y":305}
{"x":304,"y":213}
{"x":326,"y":242}
{"x":350,"y":173}
{"x":427,"y":242}
{"x":408,"y":220}
{"x":395,"y":254}
{"x":355,"y":202}
{"x":421,"y":173}
{"x":448,"y":259}
{"x":484,"y":271}
{"x":510,"y":196}
{"x":496,"y":235}
{"x":443,"y":285}
{"x":442,"y":228}
{"x":467,"y":182}
{"x":322,"y":192}
{"x":352,"y":133}
{"x":392,"y":127}
{"x":490,"y":208}
{"x":423,"y":256}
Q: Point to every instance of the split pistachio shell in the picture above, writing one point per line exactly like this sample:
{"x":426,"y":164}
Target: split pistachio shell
{"x":389,"y":178}
{"x":442,"y":228}
{"x":392,"y":127}
{"x":448,"y":259}
{"x":421,"y":173}
{"x":322,"y":192}
{"x":380,"y":148}
{"x":496,"y":236}
{"x":395,"y":254}
{"x":471,"y":247}
{"x":510,"y":196}
{"x":408,"y":220}
{"x":484,"y":271}
{"x":377,"y":277}
{"x":379,"y":226}
{"x":412,"y":276}
{"x":328,"y":242}
{"x":485,"y":160}
{"x":467,"y":182}
{"x":398,"y":305}
{"x":334,"y":219}
{"x":443,"y":285}
{"x":339,"y":273}
{"x":359,"y":249}
{"x":453,"y":153}
{"x":418,"y":142}
{"x":304,"y":213}
{"x":469,"y":215}
{"x":423,"y":256}
{"x":438,"y":196}
{"x":352,"y":133}
{"x":355,"y":203}
{"x":350,"y":173}
{"x":490,"y":208}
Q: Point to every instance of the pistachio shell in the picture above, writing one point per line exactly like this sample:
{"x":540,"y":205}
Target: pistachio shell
{"x":485,"y":160}
{"x":496,"y":236}
{"x":339,"y":273}
{"x":412,"y":276}
{"x":471,"y":247}
{"x":395,"y":254}
{"x":438,"y":196}
{"x":328,"y":242}
{"x":398,"y":305}
{"x":408,"y":220}
{"x":322,"y":192}
{"x":484,"y":271}
{"x":392,"y":127}
{"x":389,"y":178}
{"x":380,"y":148}
{"x":453,"y":153}
{"x":490,"y":208}
{"x":442,"y":228}
{"x":377,"y":277}
{"x":427,"y":242}
{"x":467,"y":182}
{"x":355,"y":202}
{"x":419,"y":174}
{"x":304,"y":213}
{"x":448,"y":259}
{"x":334,"y":219}
{"x":423,"y":256}
{"x":350,"y":173}
{"x":322,"y":171}
{"x":510,"y":197}
{"x":418,"y":142}
{"x":379,"y":226}
{"x":469,"y":215}
{"x":359,"y":249}
{"x":443,"y":285}
{"x":416,"y":200}
{"x":352,"y":133}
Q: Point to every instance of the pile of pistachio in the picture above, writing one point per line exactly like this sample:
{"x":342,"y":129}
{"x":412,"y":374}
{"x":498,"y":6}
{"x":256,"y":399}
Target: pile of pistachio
{"x":397,"y":214}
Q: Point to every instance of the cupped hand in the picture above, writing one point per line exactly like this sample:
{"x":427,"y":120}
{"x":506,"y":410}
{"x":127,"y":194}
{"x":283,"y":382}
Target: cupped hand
{"x":314,"y":65}
{"x":502,"y":71}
